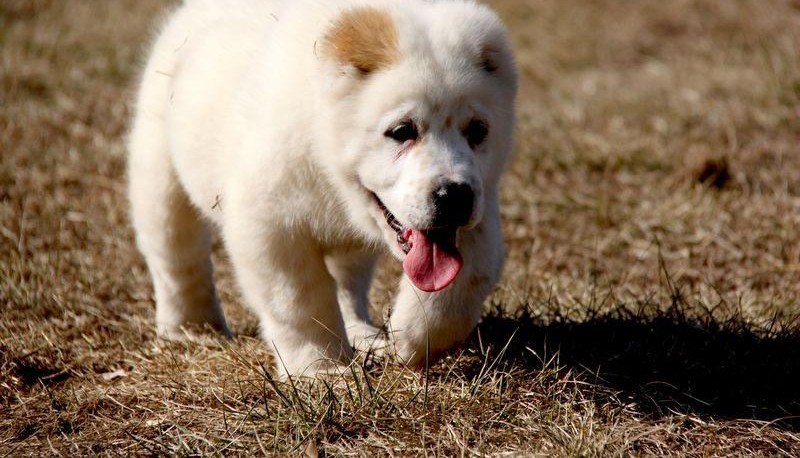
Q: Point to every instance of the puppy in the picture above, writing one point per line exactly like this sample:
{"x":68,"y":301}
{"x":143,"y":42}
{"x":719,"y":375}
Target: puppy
{"x":315,"y":135}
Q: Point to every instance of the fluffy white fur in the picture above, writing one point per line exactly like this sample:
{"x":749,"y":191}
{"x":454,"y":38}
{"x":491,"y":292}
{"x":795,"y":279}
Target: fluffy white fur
{"x":248,"y":121}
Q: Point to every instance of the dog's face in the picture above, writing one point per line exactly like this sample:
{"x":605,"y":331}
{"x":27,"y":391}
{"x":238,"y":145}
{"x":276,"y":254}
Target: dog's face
{"x":422,"y":101}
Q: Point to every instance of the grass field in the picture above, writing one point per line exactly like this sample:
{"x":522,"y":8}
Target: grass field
{"x":650,"y":303}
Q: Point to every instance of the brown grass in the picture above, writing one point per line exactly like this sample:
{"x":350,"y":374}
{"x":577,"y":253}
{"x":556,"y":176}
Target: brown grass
{"x":649,"y":306}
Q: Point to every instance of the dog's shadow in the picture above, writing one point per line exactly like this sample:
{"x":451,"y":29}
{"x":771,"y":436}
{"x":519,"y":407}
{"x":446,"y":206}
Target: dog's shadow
{"x":664,"y":363}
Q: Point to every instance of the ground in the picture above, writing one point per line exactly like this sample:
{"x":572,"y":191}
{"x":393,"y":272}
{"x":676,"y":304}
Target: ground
{"x":649,"y":304}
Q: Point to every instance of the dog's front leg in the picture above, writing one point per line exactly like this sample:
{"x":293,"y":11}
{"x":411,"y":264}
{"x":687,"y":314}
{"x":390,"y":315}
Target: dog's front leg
{"x":285,"y":282}
{"x":424,"y":325}
{"x":353,"y":274}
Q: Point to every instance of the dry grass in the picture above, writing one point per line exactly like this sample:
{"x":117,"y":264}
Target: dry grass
{"x":650,"y":303}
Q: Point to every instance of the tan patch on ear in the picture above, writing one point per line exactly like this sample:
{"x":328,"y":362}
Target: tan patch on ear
{"x":365,"y":38}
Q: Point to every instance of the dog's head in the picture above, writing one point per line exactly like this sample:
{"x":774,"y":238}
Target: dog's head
{"x":418,"y":99}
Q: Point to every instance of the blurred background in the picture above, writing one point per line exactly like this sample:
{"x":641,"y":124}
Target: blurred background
{"x":656,"y":177}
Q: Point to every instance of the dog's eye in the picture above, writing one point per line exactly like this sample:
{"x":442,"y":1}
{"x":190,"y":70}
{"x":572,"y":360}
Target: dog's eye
{"x":476,"y":132}
{"x":403,"y":132}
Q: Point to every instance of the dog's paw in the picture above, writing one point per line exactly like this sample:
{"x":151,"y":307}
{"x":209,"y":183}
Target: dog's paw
{"x":186,"y":331}
{"x":368,"y":339}
{"x":320,"y":369}
{"x":414,"y":354}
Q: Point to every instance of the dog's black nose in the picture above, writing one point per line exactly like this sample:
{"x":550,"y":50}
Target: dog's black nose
{"x":453,"y":204}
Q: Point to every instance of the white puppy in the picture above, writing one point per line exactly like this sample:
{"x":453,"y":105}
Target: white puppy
{"x":313,"y":134}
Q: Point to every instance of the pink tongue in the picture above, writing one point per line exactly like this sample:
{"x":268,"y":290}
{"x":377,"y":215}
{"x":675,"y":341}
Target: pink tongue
{"x":431,"y":266}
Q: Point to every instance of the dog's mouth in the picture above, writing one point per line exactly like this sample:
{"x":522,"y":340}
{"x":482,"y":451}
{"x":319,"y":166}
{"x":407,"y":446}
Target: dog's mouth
{"x":394,"y":224}
{"x":432,"y":260}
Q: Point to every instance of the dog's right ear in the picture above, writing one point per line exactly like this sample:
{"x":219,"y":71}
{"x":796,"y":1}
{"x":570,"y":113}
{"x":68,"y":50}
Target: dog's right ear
{"x":363,"y":39}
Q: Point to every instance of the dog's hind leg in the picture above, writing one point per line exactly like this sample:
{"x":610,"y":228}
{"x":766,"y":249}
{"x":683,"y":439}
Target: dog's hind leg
{"x":353,"y":274}
{"x":171,"y":235}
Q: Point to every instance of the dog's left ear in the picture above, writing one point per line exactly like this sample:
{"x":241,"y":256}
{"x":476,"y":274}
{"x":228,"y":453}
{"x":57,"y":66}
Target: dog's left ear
{"x":486,"y":41}
{"x":364,"y":39}
{"x":493,"y":53}
{"x":490,"y":58}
